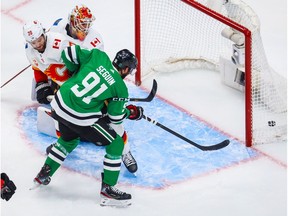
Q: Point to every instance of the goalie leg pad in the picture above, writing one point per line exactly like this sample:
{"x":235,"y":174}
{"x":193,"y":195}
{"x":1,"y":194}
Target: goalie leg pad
{"x":45,"y":123}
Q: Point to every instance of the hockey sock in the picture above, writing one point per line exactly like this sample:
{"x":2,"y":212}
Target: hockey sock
{"x":59,"y":152}
{"x":112,"y":161}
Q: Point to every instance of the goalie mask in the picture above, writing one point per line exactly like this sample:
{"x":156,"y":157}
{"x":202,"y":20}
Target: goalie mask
{"x":32,"y":31}
{"x":123,"y":59}
{"x":80,"y":20}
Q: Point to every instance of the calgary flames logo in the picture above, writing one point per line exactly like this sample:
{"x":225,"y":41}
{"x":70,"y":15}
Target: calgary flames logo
{"x":57,"y":72}
{"x":83,"y":13}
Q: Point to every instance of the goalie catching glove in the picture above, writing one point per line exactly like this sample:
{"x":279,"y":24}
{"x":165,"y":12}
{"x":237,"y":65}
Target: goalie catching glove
{"x":136,"y":112}
{"x":7,"y":187}
{"x":43,"y":90}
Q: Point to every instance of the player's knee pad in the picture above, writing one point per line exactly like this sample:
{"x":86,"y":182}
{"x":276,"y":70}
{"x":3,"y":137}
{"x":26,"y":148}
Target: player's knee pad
{"x":67,"y":146}
{"x":115,"y":149}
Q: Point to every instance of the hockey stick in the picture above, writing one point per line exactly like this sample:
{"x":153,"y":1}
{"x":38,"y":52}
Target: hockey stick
{"x":147,"y":99}
{"x":15,"y":76}
{"x":203,"y":148}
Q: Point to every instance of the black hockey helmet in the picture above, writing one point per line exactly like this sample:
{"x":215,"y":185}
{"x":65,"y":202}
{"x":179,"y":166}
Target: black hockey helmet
{"x":124,"y":58}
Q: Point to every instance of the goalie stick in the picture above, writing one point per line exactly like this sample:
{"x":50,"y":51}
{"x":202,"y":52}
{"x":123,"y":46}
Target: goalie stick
{"x":147,"y":99}
{"x":203,"y":148}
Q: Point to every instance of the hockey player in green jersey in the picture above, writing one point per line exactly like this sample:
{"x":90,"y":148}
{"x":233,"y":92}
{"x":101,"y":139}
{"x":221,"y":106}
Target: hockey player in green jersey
{"x":43,"y":50}
{"x":79,"y":108}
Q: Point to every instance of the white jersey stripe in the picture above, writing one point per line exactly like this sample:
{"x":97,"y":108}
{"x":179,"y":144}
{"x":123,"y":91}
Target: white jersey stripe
{"x":112,"y":161}
{"x":112,"y":168}
{"x":52,"y":157}
{"x":74,"y":120}
{"x":74,"y":55}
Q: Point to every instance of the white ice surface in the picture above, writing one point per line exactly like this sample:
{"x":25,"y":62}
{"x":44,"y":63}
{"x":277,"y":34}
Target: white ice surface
{"x":255,"y":188}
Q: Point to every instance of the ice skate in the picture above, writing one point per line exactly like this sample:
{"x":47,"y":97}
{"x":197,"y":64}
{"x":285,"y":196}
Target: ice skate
{"x":42,"y":178}
{"x":111,"y":196}
{"x":130,"y":162}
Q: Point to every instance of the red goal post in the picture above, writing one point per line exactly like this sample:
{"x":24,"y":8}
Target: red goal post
{"x":154,"y":20}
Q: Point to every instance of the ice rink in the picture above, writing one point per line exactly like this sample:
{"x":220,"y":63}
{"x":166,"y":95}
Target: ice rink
{"x":174,"y":178}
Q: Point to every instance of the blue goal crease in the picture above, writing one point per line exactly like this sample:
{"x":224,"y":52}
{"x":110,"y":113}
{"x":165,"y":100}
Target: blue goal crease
{"x":161,"y":156}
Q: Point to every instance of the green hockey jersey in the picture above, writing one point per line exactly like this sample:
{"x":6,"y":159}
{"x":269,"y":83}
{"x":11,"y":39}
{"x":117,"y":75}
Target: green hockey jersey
{"x":81,"y":98}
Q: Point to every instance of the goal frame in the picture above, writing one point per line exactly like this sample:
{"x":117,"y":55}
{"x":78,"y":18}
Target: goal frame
{"x":248,"y":56}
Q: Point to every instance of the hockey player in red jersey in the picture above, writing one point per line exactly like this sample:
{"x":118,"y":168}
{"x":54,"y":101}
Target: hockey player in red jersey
{"x":77,"y":30}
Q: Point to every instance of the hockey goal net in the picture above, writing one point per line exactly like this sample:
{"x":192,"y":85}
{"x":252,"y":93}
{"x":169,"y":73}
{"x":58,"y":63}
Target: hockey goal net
{"x":221,"y":35}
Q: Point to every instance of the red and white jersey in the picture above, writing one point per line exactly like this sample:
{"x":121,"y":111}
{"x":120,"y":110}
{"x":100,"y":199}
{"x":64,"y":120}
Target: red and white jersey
{"x":92,"y":40}
{"x":49,"y":64}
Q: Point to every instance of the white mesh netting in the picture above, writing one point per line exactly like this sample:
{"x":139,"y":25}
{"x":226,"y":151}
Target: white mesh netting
{"x":176,"y":36}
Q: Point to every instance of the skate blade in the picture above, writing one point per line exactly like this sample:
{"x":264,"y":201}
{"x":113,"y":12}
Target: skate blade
{"x":115,"y":203}
{"x":35,"y":185}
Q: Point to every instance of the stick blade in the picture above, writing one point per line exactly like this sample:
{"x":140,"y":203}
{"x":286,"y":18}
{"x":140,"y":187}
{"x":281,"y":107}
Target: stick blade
{"x":217,"y":146}
{"x":151,"y":95}
{"x":153,"y":91}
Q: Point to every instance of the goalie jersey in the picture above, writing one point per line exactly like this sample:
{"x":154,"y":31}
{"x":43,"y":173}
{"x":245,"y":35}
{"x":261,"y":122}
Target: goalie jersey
{"x":92,"y":40}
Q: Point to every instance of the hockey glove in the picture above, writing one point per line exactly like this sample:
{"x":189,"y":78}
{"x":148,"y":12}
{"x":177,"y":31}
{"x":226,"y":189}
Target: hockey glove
{"x":43,"y":89}
{"x":136,"y":112}
{"x":7,"y":187}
